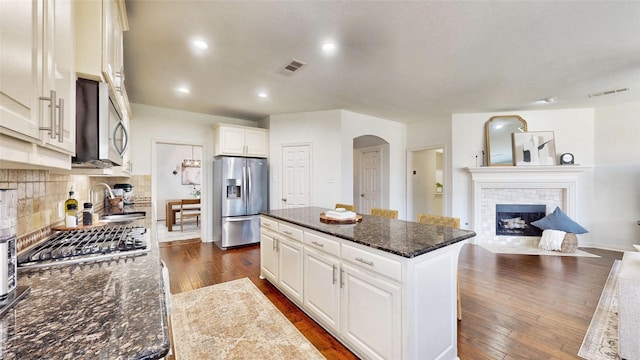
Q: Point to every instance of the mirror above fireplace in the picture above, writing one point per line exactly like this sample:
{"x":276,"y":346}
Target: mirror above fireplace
{"x":498,"y":131}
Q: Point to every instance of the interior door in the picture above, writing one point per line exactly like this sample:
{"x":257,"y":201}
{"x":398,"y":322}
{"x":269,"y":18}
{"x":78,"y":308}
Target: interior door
{"x":370,"y":179}
{"x":296,"y":176}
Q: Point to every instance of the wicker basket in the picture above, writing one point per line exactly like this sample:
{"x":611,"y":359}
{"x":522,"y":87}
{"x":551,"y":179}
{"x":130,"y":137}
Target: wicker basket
{"x":569,"y":243}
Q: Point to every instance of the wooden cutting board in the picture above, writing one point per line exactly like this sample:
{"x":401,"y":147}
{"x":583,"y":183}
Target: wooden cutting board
{"x":329,"y":220}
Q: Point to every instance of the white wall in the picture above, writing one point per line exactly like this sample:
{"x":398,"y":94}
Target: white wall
{"x":615,"y":201}
{"x":150,"y":124}
{"x":321,"y":129}
{"x":331,"y":134}
{"x":354,"y":125}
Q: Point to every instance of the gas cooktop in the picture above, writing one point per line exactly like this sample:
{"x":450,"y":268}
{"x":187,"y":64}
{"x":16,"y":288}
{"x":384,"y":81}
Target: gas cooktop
{"x":86,"y":246}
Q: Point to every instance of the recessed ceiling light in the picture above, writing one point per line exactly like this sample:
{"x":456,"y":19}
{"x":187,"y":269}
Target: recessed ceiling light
{"x":329,"y":47}
{"x":183,"y":90}
{"x":263,"y":94}
{"x":549,"y":100}
{"x":199,"y":44}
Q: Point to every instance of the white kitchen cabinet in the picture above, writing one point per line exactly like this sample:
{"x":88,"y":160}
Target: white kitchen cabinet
{"x":322,"y":287}
{"x":37,"y":83}
{"x":290,"y":267}
{"x":281,"y":257}
{"x":268,"y":255}
{"x":371,"y":313}
{"x":236,"y":140}
{"x":100,"y":26}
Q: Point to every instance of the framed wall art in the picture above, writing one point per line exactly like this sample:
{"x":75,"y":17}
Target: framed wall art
{"x":534,"y":148}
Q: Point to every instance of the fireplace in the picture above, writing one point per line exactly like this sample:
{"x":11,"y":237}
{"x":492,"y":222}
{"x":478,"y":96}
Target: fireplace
{"x":553,"y":186}
{"x":516,"y":219}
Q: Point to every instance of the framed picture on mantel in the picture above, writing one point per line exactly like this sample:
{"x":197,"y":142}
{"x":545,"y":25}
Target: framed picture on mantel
{"x":534,"y":148}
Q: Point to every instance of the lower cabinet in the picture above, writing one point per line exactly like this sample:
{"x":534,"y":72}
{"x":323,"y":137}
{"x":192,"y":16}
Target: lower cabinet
{"x":290,"y":267}
{"x":322,"y":288}
{"x":281,"y":262}
{"x":371,"y":314}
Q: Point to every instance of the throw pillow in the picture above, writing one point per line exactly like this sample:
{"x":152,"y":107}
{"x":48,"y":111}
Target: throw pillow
{"x":558,"y":220}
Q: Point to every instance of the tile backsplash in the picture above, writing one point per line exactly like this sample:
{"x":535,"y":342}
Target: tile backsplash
{"x":41,"y":194}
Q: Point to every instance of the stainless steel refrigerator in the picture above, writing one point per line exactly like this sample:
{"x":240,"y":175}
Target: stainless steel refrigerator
{"x":239,"y":193}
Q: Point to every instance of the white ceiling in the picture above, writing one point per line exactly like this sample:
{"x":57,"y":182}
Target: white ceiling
{"x":402,"y":61}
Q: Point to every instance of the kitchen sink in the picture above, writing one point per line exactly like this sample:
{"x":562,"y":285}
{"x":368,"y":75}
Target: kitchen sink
{"x":124,"y":218}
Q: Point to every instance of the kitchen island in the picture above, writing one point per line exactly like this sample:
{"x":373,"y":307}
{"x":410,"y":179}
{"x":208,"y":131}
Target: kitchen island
{"x":385,"y":288}
{"x":114,"y":309}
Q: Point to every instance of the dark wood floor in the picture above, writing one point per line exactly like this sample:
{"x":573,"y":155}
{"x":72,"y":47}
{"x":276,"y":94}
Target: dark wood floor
{"x":513,"y":306}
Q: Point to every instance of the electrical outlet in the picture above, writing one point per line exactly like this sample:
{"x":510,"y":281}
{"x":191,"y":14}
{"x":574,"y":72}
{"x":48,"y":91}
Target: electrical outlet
{"x":60,"y":209}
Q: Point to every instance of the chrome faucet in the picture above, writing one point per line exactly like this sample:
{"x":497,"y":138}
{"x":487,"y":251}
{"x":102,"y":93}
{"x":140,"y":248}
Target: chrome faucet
{"x":111,"y":196}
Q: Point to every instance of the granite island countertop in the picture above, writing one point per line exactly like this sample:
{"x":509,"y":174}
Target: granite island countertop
{"x":404,"y":238}
{"x":108,"y":310}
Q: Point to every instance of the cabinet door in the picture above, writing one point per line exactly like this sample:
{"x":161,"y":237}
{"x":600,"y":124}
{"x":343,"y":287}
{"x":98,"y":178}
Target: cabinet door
{"x":256,"y":142}
{"x":371,"y":314}
{"x":322,"y":287}
{"x":268,"y":256}
{"x":60,"y":77}
{"x":20,"y":71}
{"x":290,"y":267}
{"x":112,"y":55}
{"x":231,"y":140}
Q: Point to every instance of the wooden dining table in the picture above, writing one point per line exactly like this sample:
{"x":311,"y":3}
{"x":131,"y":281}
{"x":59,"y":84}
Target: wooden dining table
{"x":172,"y":210}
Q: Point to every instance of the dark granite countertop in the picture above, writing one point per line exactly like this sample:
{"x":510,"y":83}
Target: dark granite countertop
{"x":405,"y":238}
{"x":108,"y":310}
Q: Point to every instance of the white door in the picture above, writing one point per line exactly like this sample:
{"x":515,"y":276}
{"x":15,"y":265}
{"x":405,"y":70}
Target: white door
{"x":370,"y":179}
{"x":296,"y":176}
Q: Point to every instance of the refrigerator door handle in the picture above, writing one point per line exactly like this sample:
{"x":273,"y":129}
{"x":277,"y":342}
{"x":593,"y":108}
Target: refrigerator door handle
{"x":245,"y":193}
{"x":235,"y":220}
{"x":248,"y":183}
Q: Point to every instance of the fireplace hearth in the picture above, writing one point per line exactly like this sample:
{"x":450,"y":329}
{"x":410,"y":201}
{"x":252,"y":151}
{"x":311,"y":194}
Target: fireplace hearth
{"x":516,"y":219}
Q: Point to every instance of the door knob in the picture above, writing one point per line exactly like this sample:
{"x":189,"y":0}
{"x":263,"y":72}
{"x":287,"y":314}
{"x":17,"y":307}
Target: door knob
{"x":284,"y":199}
{"x":361,"y":195}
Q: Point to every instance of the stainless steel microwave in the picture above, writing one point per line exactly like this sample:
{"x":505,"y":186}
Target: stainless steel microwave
{"x":101,"y":135}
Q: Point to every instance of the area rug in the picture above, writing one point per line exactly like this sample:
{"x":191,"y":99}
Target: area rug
{"x":601,"y":340}
{"x":234,"y":320}
{"x":530,"y":250}
{"x":191,"y":231}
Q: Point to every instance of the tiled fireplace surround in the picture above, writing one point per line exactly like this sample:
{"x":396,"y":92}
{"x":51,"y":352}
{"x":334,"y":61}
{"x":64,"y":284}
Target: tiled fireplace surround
{"x":549,"y":185}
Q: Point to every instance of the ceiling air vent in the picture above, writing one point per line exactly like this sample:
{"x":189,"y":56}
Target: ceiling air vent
{"x":607,"y":92}
{"x":292,"y":67}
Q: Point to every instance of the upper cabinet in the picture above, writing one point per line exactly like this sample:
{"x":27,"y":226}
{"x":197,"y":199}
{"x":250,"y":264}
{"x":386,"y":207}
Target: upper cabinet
{"x":37,"y":83}
{"x":100,"y":26}
{"x":237,"y":140}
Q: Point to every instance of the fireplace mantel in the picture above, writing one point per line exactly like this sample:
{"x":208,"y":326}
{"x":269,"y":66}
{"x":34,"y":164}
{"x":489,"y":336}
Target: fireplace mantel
{"x":561,"y":177}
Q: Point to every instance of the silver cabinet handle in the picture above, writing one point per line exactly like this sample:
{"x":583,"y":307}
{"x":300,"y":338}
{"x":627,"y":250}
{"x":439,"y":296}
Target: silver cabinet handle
{"x":287,"y":232}
{"x":335,"y":267}
{"x":52,"y":113}
{"x":370,"y":263}
{"x":317,"y":244}
{"x":61,"y":120}
{"x":341,"y":278}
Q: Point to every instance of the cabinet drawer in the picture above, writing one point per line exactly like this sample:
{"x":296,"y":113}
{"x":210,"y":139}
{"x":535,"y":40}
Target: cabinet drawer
{"x":322,"y":242}
{"x":268,"y":223}
{"x":290,"y":231}
{"x":374,"y":262}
